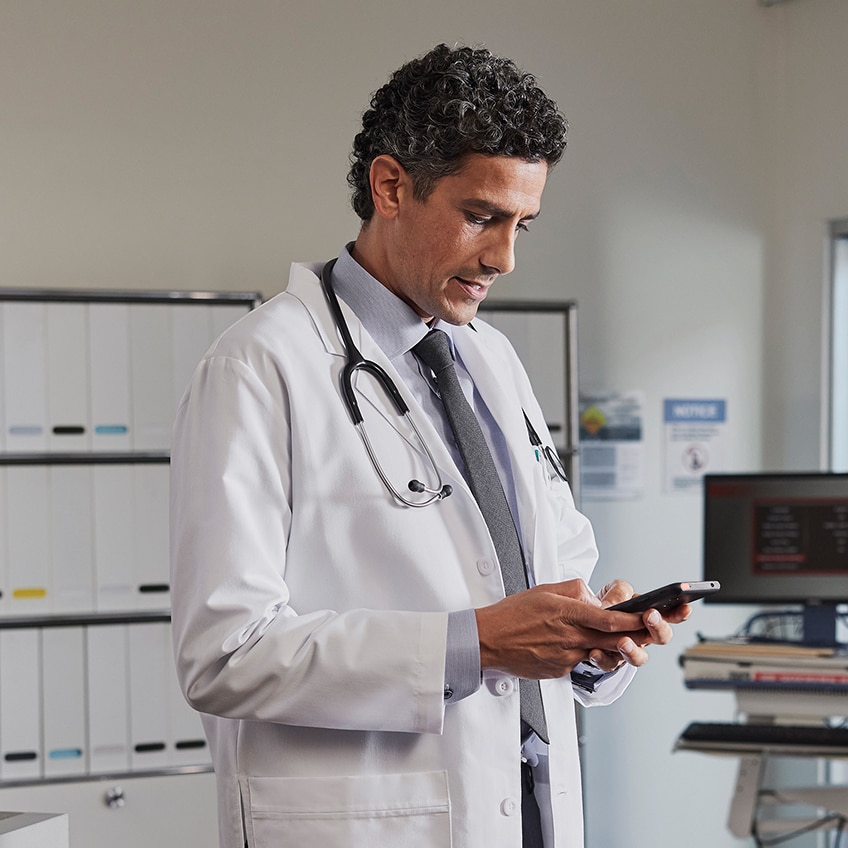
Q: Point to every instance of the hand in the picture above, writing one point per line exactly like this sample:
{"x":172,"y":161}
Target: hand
{"x":546,"y":631}
{"x":657,"y":628}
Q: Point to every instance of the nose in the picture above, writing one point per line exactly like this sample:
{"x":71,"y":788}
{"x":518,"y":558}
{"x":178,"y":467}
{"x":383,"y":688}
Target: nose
{"x":498,"y":254}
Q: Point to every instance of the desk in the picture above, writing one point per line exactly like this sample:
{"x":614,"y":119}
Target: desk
{"x":789,"y":697}
{"x":33,"y":830}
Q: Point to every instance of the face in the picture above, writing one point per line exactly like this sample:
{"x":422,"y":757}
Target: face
{"x":443,"y":254}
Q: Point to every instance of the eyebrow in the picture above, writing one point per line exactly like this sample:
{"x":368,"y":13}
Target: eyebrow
{"x":496,"y":211}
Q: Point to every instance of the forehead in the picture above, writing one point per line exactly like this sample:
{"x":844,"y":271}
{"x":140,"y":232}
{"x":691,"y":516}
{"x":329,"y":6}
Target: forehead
{"x":511,"y":183}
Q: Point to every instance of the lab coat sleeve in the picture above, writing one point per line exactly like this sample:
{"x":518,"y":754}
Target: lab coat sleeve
{"x":242,"y":649}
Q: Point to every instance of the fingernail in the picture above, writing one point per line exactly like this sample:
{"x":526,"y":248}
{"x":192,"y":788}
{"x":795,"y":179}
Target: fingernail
{"x":654,"y":618}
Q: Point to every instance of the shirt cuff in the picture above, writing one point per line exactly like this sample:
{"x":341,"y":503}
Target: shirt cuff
{"x":462,"y":656}
{"x":588,"y":676}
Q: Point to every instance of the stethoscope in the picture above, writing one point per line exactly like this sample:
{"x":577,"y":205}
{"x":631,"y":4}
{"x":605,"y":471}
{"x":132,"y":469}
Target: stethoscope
{"x":357,"y":362}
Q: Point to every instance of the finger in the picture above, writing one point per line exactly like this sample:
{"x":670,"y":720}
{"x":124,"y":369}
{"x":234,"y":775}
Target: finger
{"x":605,"y":660}
{"x":605,"y":620}
{"x":632,"y":653}
{"x":679,"y":614}
{"x":576,"y":589}
{"x":659,"y":630}
{"x":615,"y":592}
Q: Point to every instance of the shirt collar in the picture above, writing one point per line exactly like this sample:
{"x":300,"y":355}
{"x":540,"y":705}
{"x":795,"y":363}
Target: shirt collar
{"x":392,"y":324}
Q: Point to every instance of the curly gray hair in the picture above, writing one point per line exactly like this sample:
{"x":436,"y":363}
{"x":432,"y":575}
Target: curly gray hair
{"x":449,"y":103}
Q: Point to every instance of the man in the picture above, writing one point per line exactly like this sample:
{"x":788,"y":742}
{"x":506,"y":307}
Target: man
{"x":357,"y":659}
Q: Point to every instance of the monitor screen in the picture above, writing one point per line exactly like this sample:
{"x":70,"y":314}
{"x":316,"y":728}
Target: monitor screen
{"x":777,"y":538}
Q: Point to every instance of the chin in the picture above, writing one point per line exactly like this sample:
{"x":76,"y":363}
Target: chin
{"x":458,"y":315}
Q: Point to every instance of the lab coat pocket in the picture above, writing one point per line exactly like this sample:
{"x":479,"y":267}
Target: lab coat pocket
{"x":412,"y":810}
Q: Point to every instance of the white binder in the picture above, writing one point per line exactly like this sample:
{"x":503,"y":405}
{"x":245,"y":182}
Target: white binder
{"x":149,"y":713}
{"x":24,"y":375}
{"x":107,"y":663}
{"x":189,"y":741}
{"x":28,"y":540}
{"x":150,"y":536}
{"x":4,"y":547}
{"x":63,"y":701}
{"x":3,"y":362}
{"x":109,"y":376}
{"x":115,"y":587}
{"x":20,"y":704}
{"x":68,"y":426}
{"x":152,"y":376}
{"x":71,"y":520}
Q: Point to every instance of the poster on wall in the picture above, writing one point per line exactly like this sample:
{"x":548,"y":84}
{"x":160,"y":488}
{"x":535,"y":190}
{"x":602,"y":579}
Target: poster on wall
{"x":695,"y":441}
{"x":612,"y":448}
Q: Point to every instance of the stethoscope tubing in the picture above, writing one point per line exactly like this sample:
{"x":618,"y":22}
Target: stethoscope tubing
{"x":357,"y":362}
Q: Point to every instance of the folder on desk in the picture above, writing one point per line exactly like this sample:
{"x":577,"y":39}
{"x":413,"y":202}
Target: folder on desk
{"x":63,"y":701}
{"x":109,"y":376}
{"x":28,"y":540}
{"x":20,"y":704}
{"x":24,"y":339}
{"x":67,"y":377}
{"x":151,"y":367}
{"x":71,"y":520}
{"x":150,"y":660}
{"x":113,"y":537}
{"x":107,"y":662}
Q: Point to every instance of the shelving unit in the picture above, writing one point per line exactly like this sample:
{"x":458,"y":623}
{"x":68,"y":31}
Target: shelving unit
{"x":92,"y":721}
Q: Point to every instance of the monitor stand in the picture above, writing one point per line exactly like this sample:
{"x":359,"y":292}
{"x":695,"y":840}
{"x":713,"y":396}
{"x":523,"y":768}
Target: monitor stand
{"x":819,"y":622}
{"x":819,"y":625}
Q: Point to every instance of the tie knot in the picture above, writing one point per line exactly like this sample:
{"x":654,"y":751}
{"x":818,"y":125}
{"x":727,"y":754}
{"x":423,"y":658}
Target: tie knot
{"x":434,"y":351}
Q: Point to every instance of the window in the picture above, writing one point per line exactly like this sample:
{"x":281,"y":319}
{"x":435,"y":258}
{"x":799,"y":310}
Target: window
{"x":839,"y":347}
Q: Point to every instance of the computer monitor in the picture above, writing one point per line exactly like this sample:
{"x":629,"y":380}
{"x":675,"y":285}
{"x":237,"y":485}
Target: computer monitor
{"x":780,"y":539}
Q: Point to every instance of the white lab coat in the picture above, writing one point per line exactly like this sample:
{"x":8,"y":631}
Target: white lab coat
{"x":310,"y":609}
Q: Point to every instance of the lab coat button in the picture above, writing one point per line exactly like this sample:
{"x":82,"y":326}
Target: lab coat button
{"x":505,"y":686}
{"x":485,"y":567}
{"x":509,"y":806}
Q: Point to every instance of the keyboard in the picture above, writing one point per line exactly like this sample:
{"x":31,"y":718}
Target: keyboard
{"x":785,"y":738}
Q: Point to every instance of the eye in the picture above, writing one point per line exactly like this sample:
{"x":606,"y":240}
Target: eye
{"x":522,"y":227}
{"x":477,"y":220}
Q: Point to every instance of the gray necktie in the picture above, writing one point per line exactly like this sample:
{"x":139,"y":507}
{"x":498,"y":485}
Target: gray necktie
{"x":434,"y":351}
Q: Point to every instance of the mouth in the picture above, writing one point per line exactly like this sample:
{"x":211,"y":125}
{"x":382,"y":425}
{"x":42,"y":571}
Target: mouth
{"x":474,"y":290}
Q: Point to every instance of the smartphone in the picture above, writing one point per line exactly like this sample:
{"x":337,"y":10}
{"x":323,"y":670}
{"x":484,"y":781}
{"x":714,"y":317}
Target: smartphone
{"x":668,"y":597}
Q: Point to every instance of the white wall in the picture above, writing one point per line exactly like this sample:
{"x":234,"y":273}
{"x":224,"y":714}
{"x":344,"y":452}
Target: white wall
{"x":203,"y":144}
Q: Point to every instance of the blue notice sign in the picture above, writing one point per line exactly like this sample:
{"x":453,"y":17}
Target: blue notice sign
{"x":693,"y":411}
{"x":694,"y":440}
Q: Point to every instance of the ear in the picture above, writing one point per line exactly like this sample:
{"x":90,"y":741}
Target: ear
{"x":390,"y":183}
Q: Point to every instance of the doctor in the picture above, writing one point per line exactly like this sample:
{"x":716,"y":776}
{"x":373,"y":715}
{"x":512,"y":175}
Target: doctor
{"x":357,"y":659}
